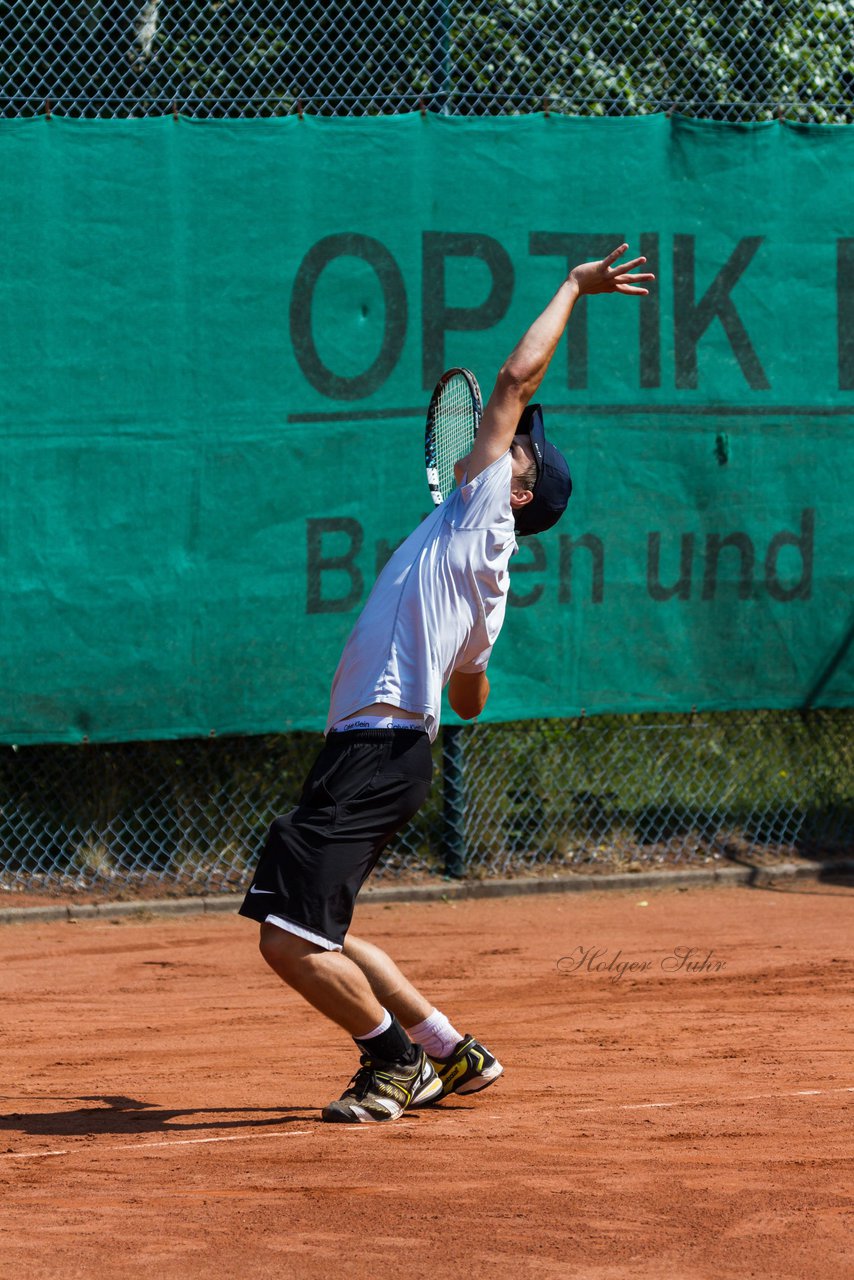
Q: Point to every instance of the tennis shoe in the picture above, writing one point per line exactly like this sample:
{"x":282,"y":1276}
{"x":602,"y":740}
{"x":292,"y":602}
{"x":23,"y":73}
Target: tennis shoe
{"x":470,"y":1068}
{"x":382,"y":1091}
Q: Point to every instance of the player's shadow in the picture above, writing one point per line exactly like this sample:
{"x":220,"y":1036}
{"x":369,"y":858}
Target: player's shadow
{"x":120,"y":1115}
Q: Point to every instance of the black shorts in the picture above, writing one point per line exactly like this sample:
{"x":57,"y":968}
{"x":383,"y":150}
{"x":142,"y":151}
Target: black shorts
{"x":362,"y":788}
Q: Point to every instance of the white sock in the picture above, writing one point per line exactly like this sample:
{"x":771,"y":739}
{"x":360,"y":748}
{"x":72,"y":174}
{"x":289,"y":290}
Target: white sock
{"x":435,"y":1035}
{"x":377,"y":1031}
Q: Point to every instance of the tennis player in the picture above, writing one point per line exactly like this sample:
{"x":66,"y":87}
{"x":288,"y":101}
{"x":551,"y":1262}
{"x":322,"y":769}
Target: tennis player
{"x":431,"y":620}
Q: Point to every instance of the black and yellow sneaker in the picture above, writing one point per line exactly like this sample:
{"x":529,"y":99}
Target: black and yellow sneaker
{"x":470,"y":1068}
{"x":384,"y":1090}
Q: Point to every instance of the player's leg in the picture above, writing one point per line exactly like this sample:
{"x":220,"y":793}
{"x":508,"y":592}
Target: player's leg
{"x":361,"y":789}
{"x":389,"y":985}
{"x":328,"y":980}
{"x":395,"y":1073}
{"x":462,"y":1063}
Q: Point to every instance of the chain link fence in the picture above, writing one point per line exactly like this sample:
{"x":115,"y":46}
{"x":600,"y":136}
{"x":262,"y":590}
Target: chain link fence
{"x":188,"y":817}
{"x":608,"y":792}
{"x":727,"y":60}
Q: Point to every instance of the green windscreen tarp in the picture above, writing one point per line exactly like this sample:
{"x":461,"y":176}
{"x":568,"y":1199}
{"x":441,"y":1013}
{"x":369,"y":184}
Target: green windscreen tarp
{"x":218,"y":341}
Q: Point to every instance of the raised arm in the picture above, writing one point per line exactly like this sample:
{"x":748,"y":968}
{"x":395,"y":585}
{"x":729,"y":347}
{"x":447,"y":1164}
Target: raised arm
{"x":525,"y":367}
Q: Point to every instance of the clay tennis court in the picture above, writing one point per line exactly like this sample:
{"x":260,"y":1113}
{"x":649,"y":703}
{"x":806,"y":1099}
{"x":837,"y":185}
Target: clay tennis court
{"x":161,"y":1094}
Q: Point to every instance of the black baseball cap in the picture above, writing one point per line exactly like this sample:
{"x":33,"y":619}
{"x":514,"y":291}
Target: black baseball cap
{"x":554,"y":483}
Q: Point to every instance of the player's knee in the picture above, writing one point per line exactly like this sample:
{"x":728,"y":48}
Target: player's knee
{"x":277,"y":947}
{"x":286,"y":953}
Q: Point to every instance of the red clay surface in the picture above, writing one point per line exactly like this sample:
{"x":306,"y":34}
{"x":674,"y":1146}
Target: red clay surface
{"x":161,"y":1093}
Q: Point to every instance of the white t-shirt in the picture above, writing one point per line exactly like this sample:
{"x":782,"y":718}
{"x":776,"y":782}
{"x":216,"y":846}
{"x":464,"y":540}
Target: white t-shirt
{"x":436,"y":607}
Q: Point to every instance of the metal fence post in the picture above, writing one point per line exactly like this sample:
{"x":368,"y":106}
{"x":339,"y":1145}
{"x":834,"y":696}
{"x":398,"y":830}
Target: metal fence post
{"x":453,"y":800}
{"x":439,"y":18}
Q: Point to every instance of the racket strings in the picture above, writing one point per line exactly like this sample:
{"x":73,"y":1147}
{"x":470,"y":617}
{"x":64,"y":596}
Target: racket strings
{"x":454,"y":430}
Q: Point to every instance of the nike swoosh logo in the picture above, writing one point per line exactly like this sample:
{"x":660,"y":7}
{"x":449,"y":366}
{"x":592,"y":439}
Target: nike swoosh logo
{"x":252,"y":889}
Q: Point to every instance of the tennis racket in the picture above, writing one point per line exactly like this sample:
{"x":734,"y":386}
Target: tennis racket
{"x":453,"y":418}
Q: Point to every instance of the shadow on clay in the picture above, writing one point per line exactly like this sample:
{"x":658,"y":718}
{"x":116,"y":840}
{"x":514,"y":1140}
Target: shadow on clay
{"x":119,"y":1115}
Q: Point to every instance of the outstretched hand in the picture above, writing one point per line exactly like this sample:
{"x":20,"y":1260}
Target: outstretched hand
{"x":604,"y":277}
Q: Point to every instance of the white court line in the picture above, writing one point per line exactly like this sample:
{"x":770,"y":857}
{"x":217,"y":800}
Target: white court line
{"x":141,"y":1146}
{"x":30,"y":1155}
{"x":301,"y":1133}
{"x":194,"y":1142}
{"x":699,"y":1102}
